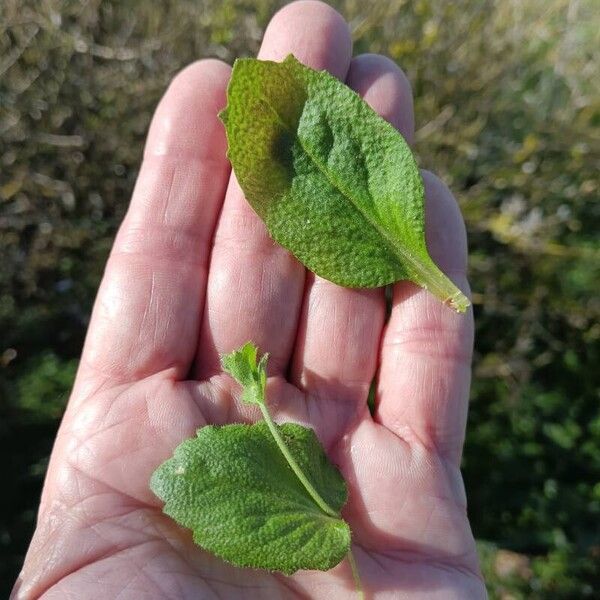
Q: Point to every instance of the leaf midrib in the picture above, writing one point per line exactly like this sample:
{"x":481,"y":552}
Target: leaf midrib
{"x":297,"y":497}
{"x":399,"y":251}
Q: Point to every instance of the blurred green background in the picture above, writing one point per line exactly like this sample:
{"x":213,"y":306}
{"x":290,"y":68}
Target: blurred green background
{"x":508,"y":111}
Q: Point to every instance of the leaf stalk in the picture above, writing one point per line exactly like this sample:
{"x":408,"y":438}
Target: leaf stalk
{"x":294,"y":465}
{"x":356,"y":576}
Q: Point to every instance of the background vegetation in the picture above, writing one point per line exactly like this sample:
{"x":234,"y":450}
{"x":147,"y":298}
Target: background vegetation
{"x":507,"y":102}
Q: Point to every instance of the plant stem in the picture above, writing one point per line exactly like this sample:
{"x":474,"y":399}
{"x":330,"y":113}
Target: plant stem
{"x":356,"y":576}
{"x":295,"y":466}
{"x":310,"y":489}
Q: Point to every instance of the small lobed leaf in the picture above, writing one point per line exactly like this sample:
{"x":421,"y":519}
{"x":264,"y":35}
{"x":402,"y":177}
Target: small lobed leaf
{"x":234,"y":489}
{"x":242,"y":365}
{"x":334,"y":182}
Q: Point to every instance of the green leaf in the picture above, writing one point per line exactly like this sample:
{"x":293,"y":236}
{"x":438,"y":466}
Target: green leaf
{"x":235,"y":490}
{"x":335,"y":183}
{"x":242,"y":366}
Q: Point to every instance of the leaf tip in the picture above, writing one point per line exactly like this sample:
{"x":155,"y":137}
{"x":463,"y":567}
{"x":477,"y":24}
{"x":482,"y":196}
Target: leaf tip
{"x":156,"y":482}
{"x":290,"y":58}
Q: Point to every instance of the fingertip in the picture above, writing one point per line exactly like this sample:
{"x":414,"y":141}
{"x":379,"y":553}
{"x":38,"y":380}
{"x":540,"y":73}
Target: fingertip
{"x":186,"y":115}
{"x":308,"y":23}
{"x":383,"y":84}
{"x":202,"y":69}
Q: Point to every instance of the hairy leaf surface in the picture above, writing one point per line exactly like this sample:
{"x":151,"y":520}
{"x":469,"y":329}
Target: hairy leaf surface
{"x":235,"y":490}
{"x":335,"y":183}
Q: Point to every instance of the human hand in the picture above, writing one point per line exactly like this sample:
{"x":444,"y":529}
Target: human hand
{"x":193,"y":273}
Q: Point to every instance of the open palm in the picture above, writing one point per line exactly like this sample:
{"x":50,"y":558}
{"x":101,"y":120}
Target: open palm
{"x":193,"y":274}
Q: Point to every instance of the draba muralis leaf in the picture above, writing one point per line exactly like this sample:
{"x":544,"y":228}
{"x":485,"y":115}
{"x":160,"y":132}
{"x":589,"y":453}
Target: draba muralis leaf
{"x":262,"y":495}
{"x":334,"y":182}
{"x":234,"y":489}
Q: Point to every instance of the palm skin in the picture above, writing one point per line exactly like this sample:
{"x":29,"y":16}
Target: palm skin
{"x":193,"y":274}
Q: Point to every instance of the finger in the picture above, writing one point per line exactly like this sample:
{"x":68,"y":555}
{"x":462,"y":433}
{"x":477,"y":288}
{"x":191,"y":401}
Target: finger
{"x":340,"y":328}
{"x":426,"y":351}
{"x":146,"y":314}
{"x":255,"y":286}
